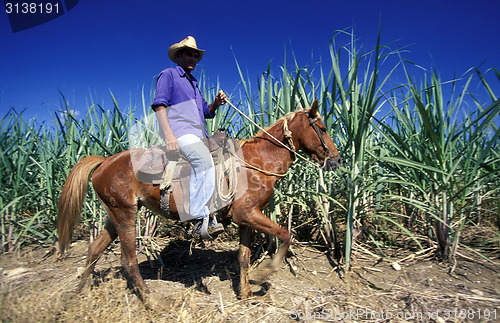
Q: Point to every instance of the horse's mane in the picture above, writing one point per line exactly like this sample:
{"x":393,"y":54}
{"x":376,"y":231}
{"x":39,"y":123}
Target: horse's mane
{"x":288,"y":117}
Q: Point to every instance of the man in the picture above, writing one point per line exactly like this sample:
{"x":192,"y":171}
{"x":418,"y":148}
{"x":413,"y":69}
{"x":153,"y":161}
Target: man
{"x":181,"y":111}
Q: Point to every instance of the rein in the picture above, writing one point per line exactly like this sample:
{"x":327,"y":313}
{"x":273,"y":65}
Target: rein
{"x":265,"y":172}
{"x":288,"y":137}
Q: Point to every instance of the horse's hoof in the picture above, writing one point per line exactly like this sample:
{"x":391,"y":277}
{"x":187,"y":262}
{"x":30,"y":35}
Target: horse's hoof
{"x":84,"y":286}
{"x":246,"y":296}
{"x":155,"y":302}
{"x":260,"y":275}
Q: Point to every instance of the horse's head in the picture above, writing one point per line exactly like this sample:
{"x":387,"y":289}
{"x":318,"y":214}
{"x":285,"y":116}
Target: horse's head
{"x":314,"y":140}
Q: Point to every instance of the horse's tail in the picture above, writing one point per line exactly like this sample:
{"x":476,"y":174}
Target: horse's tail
{"x":72,"y":196}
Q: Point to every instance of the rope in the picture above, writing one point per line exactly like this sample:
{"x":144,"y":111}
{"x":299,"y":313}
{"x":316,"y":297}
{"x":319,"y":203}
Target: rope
{"x":292,"y":150}
{"x":228,"y":166}
{"x":257,"y":168}
{"x":288,"y":135}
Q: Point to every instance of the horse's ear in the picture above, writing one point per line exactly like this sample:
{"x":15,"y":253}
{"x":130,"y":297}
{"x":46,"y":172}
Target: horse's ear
{"x":313,"y":112}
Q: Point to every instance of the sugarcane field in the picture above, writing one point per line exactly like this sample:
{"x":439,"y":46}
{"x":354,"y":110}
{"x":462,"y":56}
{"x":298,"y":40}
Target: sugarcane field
{"x":360,"y":187}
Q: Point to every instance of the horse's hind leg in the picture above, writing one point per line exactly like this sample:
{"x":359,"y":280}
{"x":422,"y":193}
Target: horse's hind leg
{"x":124,"y":219}
{"x":96,"y":248}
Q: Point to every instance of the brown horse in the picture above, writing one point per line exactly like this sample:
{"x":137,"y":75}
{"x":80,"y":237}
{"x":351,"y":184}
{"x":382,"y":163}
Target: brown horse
{"x":122,"y":194}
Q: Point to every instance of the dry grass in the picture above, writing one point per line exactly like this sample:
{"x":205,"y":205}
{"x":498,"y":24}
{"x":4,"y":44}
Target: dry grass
{"x":197,"y":284}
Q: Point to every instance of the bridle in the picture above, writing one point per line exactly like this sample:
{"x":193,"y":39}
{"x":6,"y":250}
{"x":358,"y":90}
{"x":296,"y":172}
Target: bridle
{"x":288,"y":138}
{"x":313,"y":124}
{"x":291,"y":146}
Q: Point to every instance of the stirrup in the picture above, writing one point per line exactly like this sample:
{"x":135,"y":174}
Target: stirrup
{"x":205,"y":231}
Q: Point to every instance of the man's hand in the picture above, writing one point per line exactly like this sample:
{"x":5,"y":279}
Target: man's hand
{"x":220,"y":99}
{"x":172,"y":147}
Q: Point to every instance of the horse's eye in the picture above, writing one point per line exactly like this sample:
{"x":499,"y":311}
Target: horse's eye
{"x":322,"y":129}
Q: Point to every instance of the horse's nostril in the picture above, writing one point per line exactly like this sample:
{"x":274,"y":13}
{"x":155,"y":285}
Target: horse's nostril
{"x":339,"y":160}
{"x":332,"y":164}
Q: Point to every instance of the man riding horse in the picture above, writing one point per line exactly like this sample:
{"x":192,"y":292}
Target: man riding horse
{"x":181,"y":111}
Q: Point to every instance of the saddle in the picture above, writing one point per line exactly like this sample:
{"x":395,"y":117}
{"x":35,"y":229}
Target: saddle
{"x":152,"y":166}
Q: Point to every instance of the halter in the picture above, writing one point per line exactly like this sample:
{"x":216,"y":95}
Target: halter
{"x":291,"y":147}
{"x":313,"y":124}
{"x":288,"y":137}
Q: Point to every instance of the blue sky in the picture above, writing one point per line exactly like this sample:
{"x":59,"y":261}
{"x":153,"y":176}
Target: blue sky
{"x":120,"y":45}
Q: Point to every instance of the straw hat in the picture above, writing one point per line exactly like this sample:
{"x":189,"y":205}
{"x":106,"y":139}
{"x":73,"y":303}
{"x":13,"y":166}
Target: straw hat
{"x":188,"y":42}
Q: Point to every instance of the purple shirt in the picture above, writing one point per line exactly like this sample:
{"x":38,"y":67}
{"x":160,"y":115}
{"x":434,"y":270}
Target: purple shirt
{"x":186,"y":107}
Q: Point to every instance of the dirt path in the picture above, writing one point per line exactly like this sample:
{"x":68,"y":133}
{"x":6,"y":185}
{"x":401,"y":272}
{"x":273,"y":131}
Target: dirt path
{"x":199,"y":285}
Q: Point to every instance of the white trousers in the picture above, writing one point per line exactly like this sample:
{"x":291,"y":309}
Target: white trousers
{"x":202,"y":181}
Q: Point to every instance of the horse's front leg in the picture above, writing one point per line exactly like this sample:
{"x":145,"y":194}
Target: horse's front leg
{"x":244,"y":260}
{"x":259,"y":222}
{"x":248,"y":222}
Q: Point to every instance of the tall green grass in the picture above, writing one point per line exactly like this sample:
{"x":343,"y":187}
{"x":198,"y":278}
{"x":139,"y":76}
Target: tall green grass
{"x":405,"y":148}
{"x":35,"y":160}
{"x":421,"y":160}
{"x":443,"y":155}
